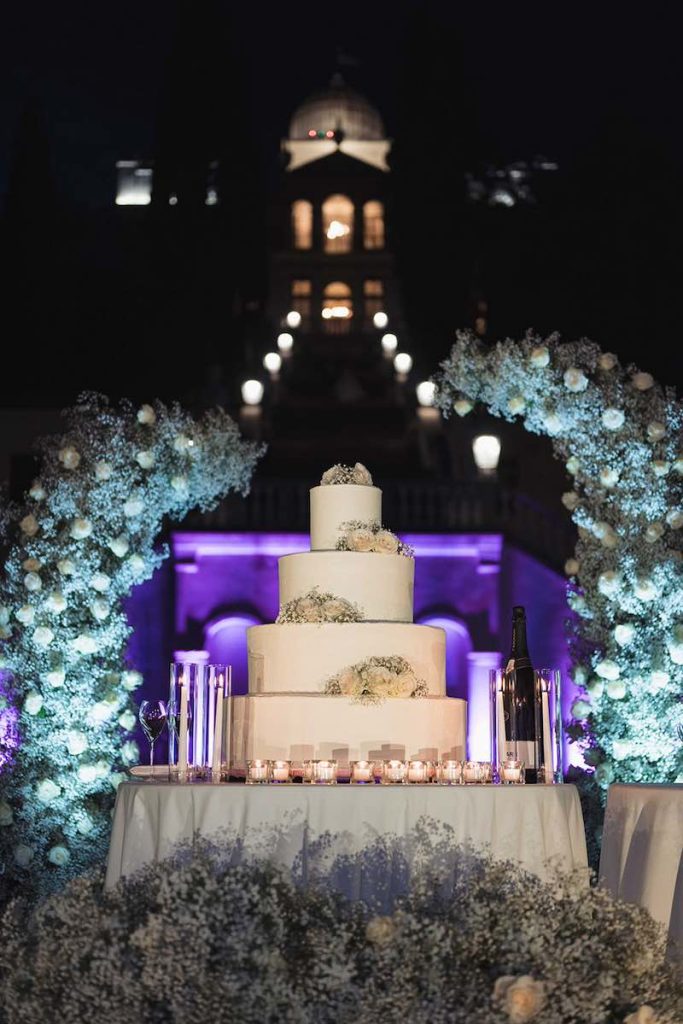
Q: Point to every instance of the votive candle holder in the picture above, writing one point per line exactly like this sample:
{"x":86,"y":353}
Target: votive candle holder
{"x":477,"y":772}
{"x":362,"y":773}
{"x":258,"y":772}
{"x":393,"y":773}
{"x":281,"y":772}
{"x":320,"y":773}
{"x":419,"y":772}
{"x":449,"y":773}
{"x":511,"y":772}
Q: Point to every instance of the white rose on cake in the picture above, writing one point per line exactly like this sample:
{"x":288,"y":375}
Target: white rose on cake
{"x":333,"y":609}
{"x":309,"y":610}
{"x":360,"y":539}
{"x":386,"y":543}
{"x":361,"y":475}
{"x":348,"y":681}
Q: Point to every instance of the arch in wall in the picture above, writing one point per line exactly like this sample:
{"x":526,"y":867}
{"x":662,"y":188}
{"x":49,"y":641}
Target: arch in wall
{"x":338,"y":224}
{"x":458,"y":646}
{"x":225,"y":640}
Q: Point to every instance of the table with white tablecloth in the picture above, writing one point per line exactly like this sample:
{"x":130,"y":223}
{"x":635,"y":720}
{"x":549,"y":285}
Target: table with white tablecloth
{"x":642,"y":850}
{"x":540,"y":827}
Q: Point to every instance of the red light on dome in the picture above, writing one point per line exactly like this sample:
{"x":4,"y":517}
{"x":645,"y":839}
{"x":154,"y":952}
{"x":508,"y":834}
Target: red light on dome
{"x":329,"y":134}
{"x":312,"y":133}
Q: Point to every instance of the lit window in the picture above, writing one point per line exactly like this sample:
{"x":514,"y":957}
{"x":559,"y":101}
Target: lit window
{"x":373,"y":225}
{"x":302,"y":224}
{"x":373,"y":298}
{"x":338,"y":224}
{"x":337,"y":308}
{"x":301,"y":300}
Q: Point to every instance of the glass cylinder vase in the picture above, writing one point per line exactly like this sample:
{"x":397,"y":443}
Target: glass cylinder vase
{"x":219,"y":721}
{"x":188,"y":721}
{"x":526,"y":723}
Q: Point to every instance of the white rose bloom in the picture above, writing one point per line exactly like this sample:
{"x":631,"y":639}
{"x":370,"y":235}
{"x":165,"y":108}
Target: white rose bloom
{"x":84,"y":824}
{"x":137,"y":564}
{"x":100,"y":712}
{"x":675,"y":650}
{"x":100,"y":608}
{"x":131,"y":679}
{"x":87,"y":773}
{"x":145,"y":459}
{"x":5,"y":633}
{"x":607,"y":361}
{"x":31,"y":565}
{"x":182,"y":443}
{"x":659,"y":680}
{"x":552,"y":423}
{"x":308,"y":609}
{"x":47,"y":791}
{"x":516,"y":404}
{"x":103,"y":471}
{"x":179,"y":483}
{"x":660,"y":468}
{"x":596,"y":688}
{"x":55,"y":678}
{"x":127,"y":720}
{"x":675,"y":519}
{"x":380,"y":930}
{"x":348,"y":680}
{"x":656,"y":430}
{"x":678,"y":465}
{"x":360,"y":540}
{"x":84,"y":644}
{"x":333,"y":609}
{"x":609,"y":583}
{"x":645,"y":590}
{"x":522,"y":998}
{"x":26,"y":614}
{"x":621,"y":749}
{"x":6,"y":814}
{"x":69,"y":457}
{"x":100,"y":582}
{"x":607,"y":669}
{"x":616,"y":689}
{"x":29,"y":525}
{"x":613,"y":419}
{"x":130,"y":752}
{"x":4,"y":615}
{"x":43,"y":636}
{"x":59,"y":855}
{"x":37,"y":491}
{"x":80,"y":529}
{"x":579,"y":675}
{"x":624,"y":634}
{"x":643,"y":1015}
{"x":76,"y":742}
{"x":608,"y":538}
{"x":580,"y":709}
{"x":386,"y":543}
{"x":133,"y":507}
{"x":23,"y":855}
{"x":573,"y":465}
{"x":575,"y":379}
{"x":539,"y":357}
{"x":361,"y":475}
{"x":32,"y":581}
{"x":609,"y":477}
{"x":119,"y":545}
{"x":653,"y":532}
{"x":33,"y":702}
{"x":115,"y":779}
{"x":642,"y":381}
{"x":462,"y":406}
{"x":572,"y":566}
{"x":146,"y":415}
{"x":66,"y":567}
{"x":570,"y":500}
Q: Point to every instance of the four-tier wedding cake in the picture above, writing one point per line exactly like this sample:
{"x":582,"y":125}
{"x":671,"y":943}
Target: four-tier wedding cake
{"x":344,"y":672}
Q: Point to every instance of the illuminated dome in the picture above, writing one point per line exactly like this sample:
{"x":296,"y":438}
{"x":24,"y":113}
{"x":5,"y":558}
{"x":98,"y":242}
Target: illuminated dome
{"x":337,"y":107}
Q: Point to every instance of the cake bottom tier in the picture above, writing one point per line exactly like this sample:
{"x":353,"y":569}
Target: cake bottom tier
{"x":297,"y":726}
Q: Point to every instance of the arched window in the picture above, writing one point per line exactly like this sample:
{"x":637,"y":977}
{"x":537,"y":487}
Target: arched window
{"x":301,"y":300}
{"x":225,"y":640}
{"x":338,"y":224}
{"x":373,"y":225}
{"x":373,"y":298}
{"x":337,"y":308}
{"x":302,"y":224}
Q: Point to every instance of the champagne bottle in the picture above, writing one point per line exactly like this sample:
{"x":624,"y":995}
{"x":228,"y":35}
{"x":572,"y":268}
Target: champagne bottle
{"x":520,"y":719}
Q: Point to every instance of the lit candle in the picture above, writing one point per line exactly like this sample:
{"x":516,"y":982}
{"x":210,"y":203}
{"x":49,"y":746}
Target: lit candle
{"x":324,"y":771}
{"x":362,"y":771}
{"x":417,"y":771}
{"x":257,"y":771}
{"x":500,"y":720}
{"x":394,"y":771}
{"x":511,"y":771}
{"x":182,"y":732}
{"x":281,"y":771}
{"x":547,"y":744}
{"x":218,"y":728}
{"x":473,"y":771}
{"x":449,"y":772}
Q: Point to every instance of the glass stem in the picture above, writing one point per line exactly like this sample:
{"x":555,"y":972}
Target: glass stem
{"x":151,"y":754}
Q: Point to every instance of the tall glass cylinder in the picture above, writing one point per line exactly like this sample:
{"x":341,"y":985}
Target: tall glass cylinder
{"x":188,"y":721}
{"x":527,"y":726}
{"x":549,"y":724}
{"x":219,"y":721}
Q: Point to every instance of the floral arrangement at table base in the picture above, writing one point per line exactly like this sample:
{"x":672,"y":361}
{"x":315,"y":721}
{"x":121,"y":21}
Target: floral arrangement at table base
{"x":84,"y":538}
{"x":317,"y":606}
{"x":366,"y":537}
{"x":208,"y":939}
{"x":374,"y":679}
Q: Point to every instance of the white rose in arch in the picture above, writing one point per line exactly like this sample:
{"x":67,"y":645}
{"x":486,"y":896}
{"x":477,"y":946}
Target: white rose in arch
{"x":643,"y":1015}
{"x":179,"y":483}
{"x":131,"y":679}
{"x":613,"y":419}
{"x":29,"y":525}
{"x":103,"y":471}
{"x":26,"y":614}
{"x":43,"y":636}
{"x":4,"y":615}
{"x":653,"y":532}
{"x":146,"y":415}
{"x":660,"y":468}
{"x":573,"y":465}
{"x":616,"y":689}
{"x":59,"y":856}
{"x":360,"y":540}
{"x":575,"y":379}
{"x":80,"y":529}
{"x":607,"y":361}
{"x":37,"y":491}
{"x":182,"y":443}
{"x":130,"y":752}
{"x":609,"y":477}
{"x":570,"y":500}
{"x":675,"y":519}
{"x":100,"y":608}
{"x":31,"y":565}
{"x":33,"y":702}
{"x":5,"y":632}
{"x":69,"y":457}
{"x":642,"y":381}
{"x":572,"y":566}
{"x":580,"y":709}
{"x":624,"y":633}
{"x":87,"y":773}
{"x":23,"y":855}
{"x":596,"y":688}
{"x":645,"y":590}
{"x":6,"y":814}
{"x":133,"y":507}
{"x":33,"y":582}
{"x":678,"y":465}
{"x":609,"y":582}
{"x":462,"y":406}
{"x":119,"y":545}
{"x":84,"y":824}
{"x":47,"y":791}
{"x":516,"y":404}
{"x":621,"y":749}
{"x":539,"y":357}
{"x":656,"y":430}
{"x":127,"y":720}
{"x":76,"y":742}
{"x":100,"y":582}
{"x":608,"y":538}
{"x":145,"y":459}
{"x":386,"y":543}
{"x":607,"y":669}
{"x":84,"y":643}
{"x":659,"y":680}
{"x":55,"y":678}
{"x":552,"y":423}
{"x":361,"y":475}
{"x":137,"y":564}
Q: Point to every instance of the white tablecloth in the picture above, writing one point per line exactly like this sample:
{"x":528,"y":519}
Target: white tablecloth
{"x":541,"y":827}
{"x":642,"y":850}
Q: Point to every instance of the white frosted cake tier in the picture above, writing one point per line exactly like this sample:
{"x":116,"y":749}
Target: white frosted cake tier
{"x":335,"y":504}
{"x":381,"y":585}
{"x":300,"y":726}
{"x":295,"y":658}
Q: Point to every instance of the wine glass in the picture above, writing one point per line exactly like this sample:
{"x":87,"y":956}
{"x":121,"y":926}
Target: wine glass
{"x":153,"y":716}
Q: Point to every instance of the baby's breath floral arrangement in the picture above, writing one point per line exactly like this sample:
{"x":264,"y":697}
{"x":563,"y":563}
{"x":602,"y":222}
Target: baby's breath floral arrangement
{"x":374,"y":679}
{"x":315,"y":606}
{"x":340,"y":474}
{"x":211,"y":939}
{"x":619,"y":435}
{"x":83,"y":540}
{"x":359,"y":536}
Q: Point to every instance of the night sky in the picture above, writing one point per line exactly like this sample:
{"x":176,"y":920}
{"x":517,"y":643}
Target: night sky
{"x":537,"y":79}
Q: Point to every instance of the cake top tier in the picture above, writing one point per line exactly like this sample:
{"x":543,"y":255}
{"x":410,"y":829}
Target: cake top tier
{"x":346,"y":495}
